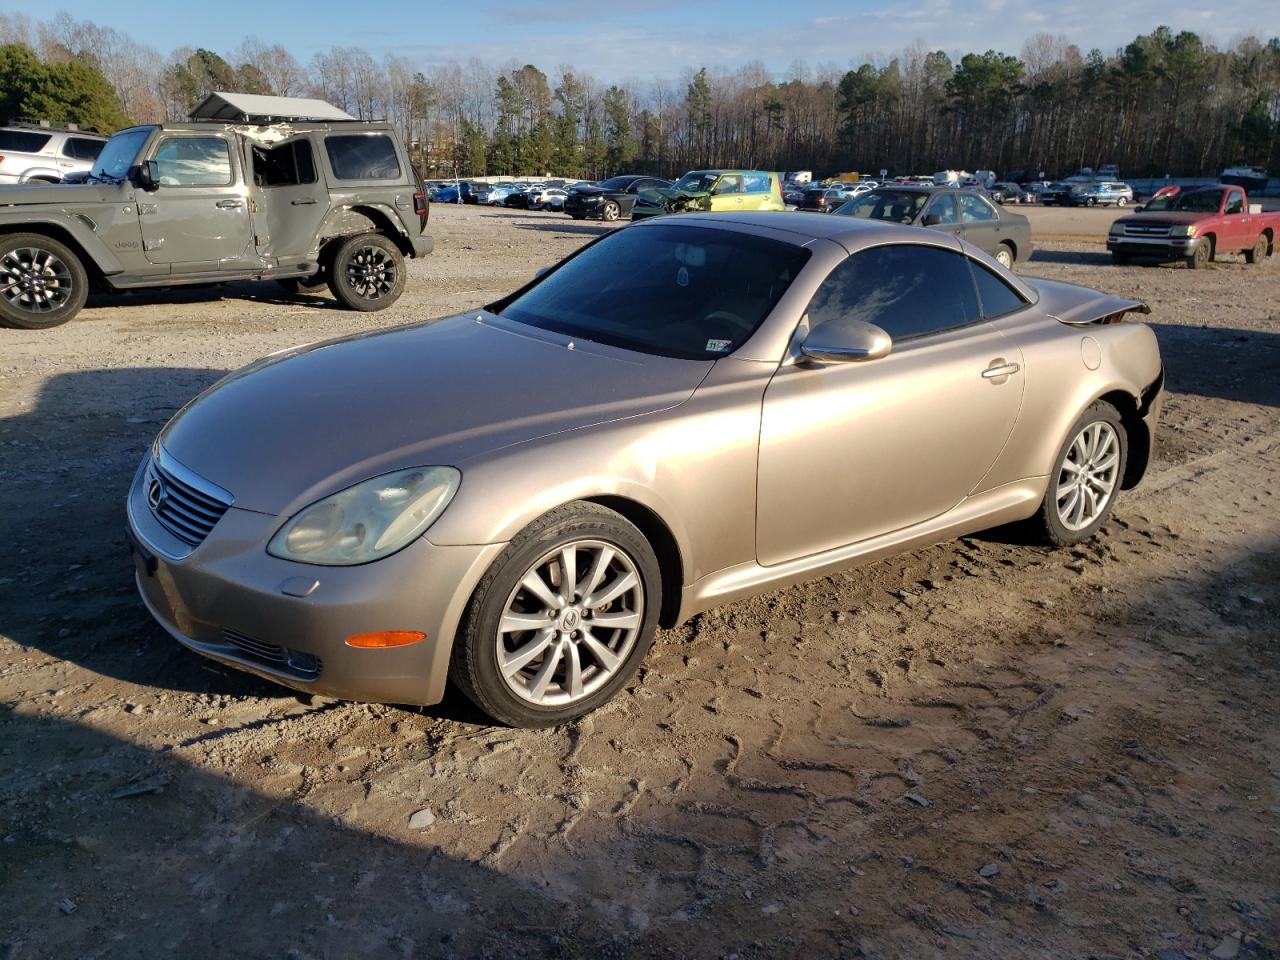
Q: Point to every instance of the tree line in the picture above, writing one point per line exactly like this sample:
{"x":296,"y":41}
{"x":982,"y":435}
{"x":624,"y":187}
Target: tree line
{"x":1165,"y":103}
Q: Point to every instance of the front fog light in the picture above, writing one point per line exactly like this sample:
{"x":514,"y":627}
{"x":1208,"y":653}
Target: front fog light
{"x":368,"y":521}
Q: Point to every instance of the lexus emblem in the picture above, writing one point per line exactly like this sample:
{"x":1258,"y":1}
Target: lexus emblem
{"x":155,"y":493}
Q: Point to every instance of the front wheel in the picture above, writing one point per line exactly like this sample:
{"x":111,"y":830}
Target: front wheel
{"x":1201,"y":257}
{"x":1122,"y":202}
{"x":610,"y":212}
{"x":562,"y":619}
{"x":367,"y":273}
{"x":43,"y":284}
{"x":1259,"y":251}
{"x":1086,"y":477}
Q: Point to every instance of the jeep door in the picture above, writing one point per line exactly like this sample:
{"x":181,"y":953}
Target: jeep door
{"x":197,"y":217}
{"x":293,"y":201}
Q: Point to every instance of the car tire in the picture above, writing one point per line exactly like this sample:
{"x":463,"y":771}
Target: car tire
{"x":1102,"y":463}
{"x":1122,"y":202}
{"x":1004,"y":255}
{"x":43,"y":284}
{"x":610,"y":211}
{"x":1259,"y":252}
{"x":1091,"y":202}
{"x":529,"y":689}
{"x":1202,"y":257}
{"x":367,"y":272}
{"x":1120,"y":259}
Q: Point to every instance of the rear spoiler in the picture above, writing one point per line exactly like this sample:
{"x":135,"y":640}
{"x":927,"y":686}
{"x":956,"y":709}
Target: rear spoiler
{"x":1080,"y":306}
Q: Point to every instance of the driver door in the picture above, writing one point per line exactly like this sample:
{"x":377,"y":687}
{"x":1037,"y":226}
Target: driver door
{"x":850,"y":451}
{"x":943,"y":214}
{"x":727,"y":193}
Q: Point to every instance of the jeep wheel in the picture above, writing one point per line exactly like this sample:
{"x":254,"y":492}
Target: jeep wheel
{"x":42,"y":283}
{"x":367,"y":273}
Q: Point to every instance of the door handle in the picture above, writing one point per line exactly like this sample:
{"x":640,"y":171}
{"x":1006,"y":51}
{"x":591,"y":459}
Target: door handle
{"x":302,"y":201}
{"x":232,"y":204}
{"x":1000,"y":370}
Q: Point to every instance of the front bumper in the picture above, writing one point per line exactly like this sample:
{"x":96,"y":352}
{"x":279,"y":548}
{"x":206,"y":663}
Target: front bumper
{"x":229,"y":600}
{"x":1168,"y":247}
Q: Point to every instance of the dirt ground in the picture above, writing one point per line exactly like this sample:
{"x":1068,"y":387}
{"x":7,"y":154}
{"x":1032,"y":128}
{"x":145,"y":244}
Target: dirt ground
{"x":982,"y":749}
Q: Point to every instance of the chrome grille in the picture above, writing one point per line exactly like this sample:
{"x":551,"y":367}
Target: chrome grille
{"x":1146,"y":230}
{"x":185,"y":506}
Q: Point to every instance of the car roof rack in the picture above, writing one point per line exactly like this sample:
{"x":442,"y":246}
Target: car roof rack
{"x":33,"y":123}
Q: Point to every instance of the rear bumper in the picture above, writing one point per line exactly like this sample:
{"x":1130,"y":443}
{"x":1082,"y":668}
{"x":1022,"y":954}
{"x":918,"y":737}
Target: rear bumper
{"x":422,"y":245}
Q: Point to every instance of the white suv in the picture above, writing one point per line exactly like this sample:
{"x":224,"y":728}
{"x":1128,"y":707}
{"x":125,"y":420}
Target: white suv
{"x":34,"y":153}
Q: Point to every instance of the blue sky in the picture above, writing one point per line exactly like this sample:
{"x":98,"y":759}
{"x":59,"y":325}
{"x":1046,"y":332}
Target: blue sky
{"x":661,"y":37}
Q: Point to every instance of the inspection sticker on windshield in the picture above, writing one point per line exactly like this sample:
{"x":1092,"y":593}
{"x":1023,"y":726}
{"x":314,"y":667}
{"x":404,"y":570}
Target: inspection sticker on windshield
{"x":718,"y":346}
{"x":682,"y":277}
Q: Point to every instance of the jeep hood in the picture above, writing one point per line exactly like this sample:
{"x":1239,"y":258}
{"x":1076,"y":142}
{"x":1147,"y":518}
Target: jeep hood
{"x":29,"y":194}
{"x":297,"y":426}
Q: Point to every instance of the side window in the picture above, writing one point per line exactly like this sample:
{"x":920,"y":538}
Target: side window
{"x":286,"y":165}
{"x":1235,"y":202}
{"x":82,"y":148}
{"x":996,"y":296}
{"x":906,"y":290}
{"x":23,"y":141}
{"x":363,"y":157}
{"x":973,"y":208}
{"x":757,"y":183}
{"x":944,"y":208}
{"x":193,"y":162}
{"x":729,"y":183}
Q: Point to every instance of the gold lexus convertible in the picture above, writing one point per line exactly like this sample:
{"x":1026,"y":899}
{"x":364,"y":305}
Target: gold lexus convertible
{"x":686,"y":411}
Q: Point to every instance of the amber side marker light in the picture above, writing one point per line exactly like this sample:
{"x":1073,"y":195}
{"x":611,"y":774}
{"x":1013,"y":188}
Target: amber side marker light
{"x":385,"y":638}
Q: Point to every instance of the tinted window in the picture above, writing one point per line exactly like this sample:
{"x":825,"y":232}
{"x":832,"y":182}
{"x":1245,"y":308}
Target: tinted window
{"x":286,"y":165}
{"x":944,"y":207}
{"x":617,"y":183}
{"x":895,"y":206}
{"x":1235,"y":202}
{"x":363,"y":157}
{"x":82,"y":148}
{"x":973,"y":208}
{"x":677,"y":291}
{"x":757,"y":183}
{"x":193,"y":162}
{"x":907,"y":290}
{"x":997,"y":297}
{"x":23,"y":141}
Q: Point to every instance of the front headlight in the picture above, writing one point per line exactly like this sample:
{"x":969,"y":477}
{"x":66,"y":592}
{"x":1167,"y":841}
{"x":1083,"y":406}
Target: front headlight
{"x":1116,"y":228}
{"x":1183,"y":230}
{"x":368,"y":521}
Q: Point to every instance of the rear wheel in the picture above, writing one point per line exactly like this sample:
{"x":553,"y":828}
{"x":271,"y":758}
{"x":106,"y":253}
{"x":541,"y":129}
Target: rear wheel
{"x":1086,"y":477}
{"x":1004,"y":256}
{"x":42,"y":282}
{"x":562,"y":619}
{"x":367,"y":273}
{"x":1259,"y":251}
{"x":610,"y":211}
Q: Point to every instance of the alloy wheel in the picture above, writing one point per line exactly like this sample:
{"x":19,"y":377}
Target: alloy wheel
{"x":371,"y":272}
{"x":1088,"y":476}
{"x":34,"y":280}
{"x":570,"y":624}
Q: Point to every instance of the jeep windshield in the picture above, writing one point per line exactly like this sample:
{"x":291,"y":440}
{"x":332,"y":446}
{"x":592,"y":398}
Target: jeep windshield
{"x":676,"y":291}
{"x":117,"y":156}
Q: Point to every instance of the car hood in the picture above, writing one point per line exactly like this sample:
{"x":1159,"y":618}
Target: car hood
{"x":297,"y":426}
{"x":30,"y":193}
{"x":1171,"y":217}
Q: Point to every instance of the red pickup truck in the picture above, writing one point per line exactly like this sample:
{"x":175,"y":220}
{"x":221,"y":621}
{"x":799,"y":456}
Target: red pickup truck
{"x":1195,"y":225}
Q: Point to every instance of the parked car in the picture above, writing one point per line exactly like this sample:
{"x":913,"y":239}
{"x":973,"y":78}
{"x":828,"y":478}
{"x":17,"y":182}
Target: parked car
{"x":525,"y":543}
{"x":519,"y":196}
{"x":793,"y":194}
{"x":1006,"y":192}
{"x":461,"y":192}
{"x":715,"y":190}
{"x":963,"y":213}
{"x":1056,"y":194}
{"x":611,"y":199}
{"x":1101,"y":194}
{"x":33,"y":153}
{"x":547,"y":198}
{"x":1197,"y":225}
{"x":203,"y":202}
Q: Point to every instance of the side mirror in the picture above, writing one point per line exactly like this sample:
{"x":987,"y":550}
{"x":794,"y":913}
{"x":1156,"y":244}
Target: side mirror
{"x":846,"y":341}
{"x":149,"y":175}
{"x":932,"y":219}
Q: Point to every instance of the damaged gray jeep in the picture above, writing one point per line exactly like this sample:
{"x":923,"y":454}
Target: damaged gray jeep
{"x":252,"y":188}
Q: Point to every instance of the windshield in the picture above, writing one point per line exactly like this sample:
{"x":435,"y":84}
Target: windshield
{"x":1198,"y":201}
{"x":1164,"y":202}
{"x":697,"y":182}
{"x":117,"y":156}
{"x":895,"y":206}
{"x":671,"y":290}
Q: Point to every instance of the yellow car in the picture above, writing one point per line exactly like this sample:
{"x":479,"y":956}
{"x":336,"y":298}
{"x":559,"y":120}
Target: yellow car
{"x":714,"y":190}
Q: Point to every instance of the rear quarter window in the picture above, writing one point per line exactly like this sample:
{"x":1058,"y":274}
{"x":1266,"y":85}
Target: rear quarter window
{"x":996,"y":296}
{"x":362,"y":157}
{"x":23,"y":141}
{"x":757,"y":183}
